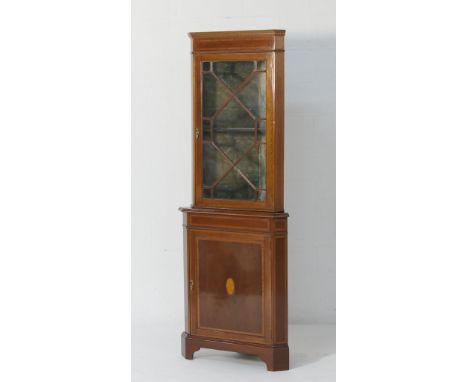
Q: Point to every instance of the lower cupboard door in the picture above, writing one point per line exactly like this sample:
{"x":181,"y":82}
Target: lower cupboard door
{"x":230,"y":293}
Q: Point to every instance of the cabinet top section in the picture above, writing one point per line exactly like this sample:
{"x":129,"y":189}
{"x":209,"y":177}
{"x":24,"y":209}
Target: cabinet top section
{"x":238,"y":41}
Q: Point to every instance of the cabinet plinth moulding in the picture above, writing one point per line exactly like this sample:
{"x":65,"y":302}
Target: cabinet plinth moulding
{"x":235,"y":232}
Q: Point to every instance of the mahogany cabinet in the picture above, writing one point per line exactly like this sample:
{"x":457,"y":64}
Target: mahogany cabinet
{"x":235,"y":233}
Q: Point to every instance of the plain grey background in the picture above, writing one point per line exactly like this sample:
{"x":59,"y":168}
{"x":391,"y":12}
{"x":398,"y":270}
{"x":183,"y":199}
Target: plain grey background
{"x":162,"y":157}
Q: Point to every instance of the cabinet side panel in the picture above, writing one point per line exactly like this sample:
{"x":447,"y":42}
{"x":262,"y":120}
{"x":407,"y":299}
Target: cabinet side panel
{"x":281,"y":290}
{"x":279,"y":130}
{"x":186,"y":277}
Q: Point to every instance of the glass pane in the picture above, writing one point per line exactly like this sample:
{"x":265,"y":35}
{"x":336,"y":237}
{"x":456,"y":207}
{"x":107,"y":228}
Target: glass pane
{"x":234,"y":116}
{"x":253,"y":95}
{"x":234,"y":144}
{"x":233,"y":72}
{"x":233,"y":186}
{"x":214,"y":95}
{"x":206,"y":131}
{"x":262,"y":169}
{"x":253,"y":166}
{"x":213,"y":165}
{"x":234,"y":129}
{"x":262,"y":131}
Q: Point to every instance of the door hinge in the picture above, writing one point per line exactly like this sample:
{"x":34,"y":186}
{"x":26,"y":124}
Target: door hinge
{"x":191,"y":285}
{"x":197,"y":133}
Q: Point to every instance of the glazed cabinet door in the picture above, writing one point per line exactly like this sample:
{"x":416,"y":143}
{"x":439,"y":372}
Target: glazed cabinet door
{"x":229,"y":285}
{"x":233,"y":130}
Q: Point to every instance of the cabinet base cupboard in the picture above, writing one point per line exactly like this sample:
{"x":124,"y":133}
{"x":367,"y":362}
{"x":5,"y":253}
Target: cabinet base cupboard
{"x":235,"y":233}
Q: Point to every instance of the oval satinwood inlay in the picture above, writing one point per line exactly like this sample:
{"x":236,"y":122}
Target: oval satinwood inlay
{"x":230,"y":286}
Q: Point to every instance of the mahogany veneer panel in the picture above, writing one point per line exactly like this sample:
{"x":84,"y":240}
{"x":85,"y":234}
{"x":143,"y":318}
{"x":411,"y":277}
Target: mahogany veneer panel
{"x":241,"y":309}
{"x":238,"y":41}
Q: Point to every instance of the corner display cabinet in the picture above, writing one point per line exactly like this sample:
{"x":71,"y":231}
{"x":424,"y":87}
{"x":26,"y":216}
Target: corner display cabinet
{"x":235,"y":233}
